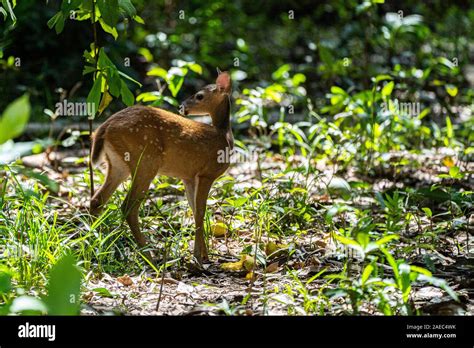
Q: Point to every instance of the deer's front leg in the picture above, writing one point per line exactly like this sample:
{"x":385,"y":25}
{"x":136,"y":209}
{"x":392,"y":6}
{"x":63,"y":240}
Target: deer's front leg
{"x":202,"y":186}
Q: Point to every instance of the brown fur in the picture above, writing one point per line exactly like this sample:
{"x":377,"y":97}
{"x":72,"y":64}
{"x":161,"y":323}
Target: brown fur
{"x":142,"y":141}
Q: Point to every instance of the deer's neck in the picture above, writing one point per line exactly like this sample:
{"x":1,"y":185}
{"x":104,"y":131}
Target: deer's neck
{"x":221,"y":116}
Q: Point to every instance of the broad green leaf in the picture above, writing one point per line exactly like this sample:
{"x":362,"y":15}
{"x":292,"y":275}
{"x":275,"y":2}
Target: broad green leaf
{"x":138,"y":19}
{"x":427,"y":211}
{"x":109,"y":11}
{"x":14,"y":119}
{"x":454,"y":171}
{"x":326,"y":56}
{"x":157,"y":71}
{"x":338,"y":90}
{"x":195,"y":67}
{"x":145,"y":52}
{"x":64,"y":287}
{"x":5,"y":282}
{"x":367,"y":272}
{"x":108,"y":29}
{"x":68,"y":5}
{"x":95,"y":93}
{"x":127,"y":96}
{"x":57,"y":22}
{"x":451,"y":89}
{"x":388,"y":88}
{"x":128,"y":8}
{"x":104,"y":292}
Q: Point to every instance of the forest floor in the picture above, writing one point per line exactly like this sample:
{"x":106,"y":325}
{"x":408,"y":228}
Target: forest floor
{"x":302,"y":265}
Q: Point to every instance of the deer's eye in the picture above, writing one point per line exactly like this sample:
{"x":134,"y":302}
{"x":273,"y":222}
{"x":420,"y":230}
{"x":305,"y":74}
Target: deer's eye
{"x":199,"y":96}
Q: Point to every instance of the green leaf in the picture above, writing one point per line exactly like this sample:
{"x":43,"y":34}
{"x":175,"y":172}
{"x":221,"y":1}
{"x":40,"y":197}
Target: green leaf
{"x":451,"y":89}
{"x":138,"y":19}
{"x":108,"y":29}
{"x":282,"y":71}
{"x":129,"y":78}
{"x":449,"y":128}
{"x":388,"y":88}
{"x":420,"y":270}
{"x":64,"y":288}
{"x":115,"y":83}
{"x":367,"y":272}
{"x":69,"y":5}
{"x":454,"y":171}
{"x":175,"y":84}
{"x":427,"y":211}
{"x":195,"y":67}
{"x":346,"y":241}
{"x":95,"y":93}
{"x":127,"y":96}
{"x":145,"y":52}
{"x":8,"y":6}
{"x":52,"y":185}
{"x":109,"y":11}
{"x":382,"y":78}
{"x":104,"y":292}
{"x":128,"y":8}
{"x":326,"y":56}
{"x":57,"y":22}
{"x":15,"y":118}
{"x":386,"y":239}
{"x":5,"y":282}
{"x":157,"y":71}
{"x":391,"y":262}
{"x":338,"y":90}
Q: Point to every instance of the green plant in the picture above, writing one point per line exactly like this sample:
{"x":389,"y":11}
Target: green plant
{"x":63,"y":292}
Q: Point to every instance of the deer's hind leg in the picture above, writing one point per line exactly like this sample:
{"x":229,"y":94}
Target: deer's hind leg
{"x":141,"y":181}
{"x":116,"y":174}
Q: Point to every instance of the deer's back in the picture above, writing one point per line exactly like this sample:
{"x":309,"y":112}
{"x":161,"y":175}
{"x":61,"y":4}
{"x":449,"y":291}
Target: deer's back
{"x":168,"y":143}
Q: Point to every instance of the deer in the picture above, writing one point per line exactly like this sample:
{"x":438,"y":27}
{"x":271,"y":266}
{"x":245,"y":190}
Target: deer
{"x":143,"y":141}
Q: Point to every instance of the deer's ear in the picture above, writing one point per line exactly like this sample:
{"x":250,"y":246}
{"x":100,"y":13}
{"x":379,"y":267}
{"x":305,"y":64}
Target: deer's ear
{"x":223,"y":82}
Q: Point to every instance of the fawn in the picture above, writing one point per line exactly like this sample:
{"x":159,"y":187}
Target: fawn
{"x":142,"y":141}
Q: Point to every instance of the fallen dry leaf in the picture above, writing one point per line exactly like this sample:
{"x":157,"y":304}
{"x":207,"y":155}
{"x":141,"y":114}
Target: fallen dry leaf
{"x":272,"y":268}
{"x":125,"y":280}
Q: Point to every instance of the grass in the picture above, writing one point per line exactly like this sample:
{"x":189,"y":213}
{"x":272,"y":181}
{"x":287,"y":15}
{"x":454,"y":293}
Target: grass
{"x":290,"y":204}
